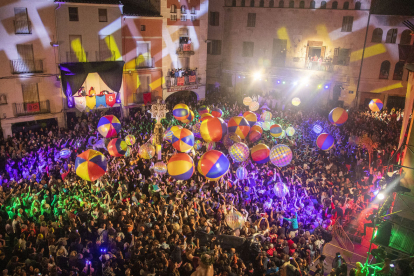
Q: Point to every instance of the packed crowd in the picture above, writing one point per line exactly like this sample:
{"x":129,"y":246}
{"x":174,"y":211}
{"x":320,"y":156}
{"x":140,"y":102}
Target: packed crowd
{"x":174,"y":74}
{"x":135,"y":222}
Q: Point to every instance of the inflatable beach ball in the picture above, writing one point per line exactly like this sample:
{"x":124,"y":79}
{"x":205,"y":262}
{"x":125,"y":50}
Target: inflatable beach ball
{"x":198,"y":145}
{"x":182,"y":140}
{"x":276,"y":130}
{"x":160,"y":168}
{"x":146,"y":151}
{"x":203,"y":109}
{"x":65,"y":153}
{"x":213,"y":129}
{"x":180,"y":166}
{"x":227,"y":141}
{"x":130,"y":140}
{"x":260,"y":153}
{"x":266,"y":126}
{"x":239,"y":152}
{"x":214,"y":164}
{"x":109,"y":126}
{"x":257,"y":128}
{"x":290,"y":131}
{"x":266,"y":116}
{"x":280,"y":189}
{"x":189,"y":118}
{"x":117,"y":147}
{"x":280,"y":155}
{"x":180,"y":112}
{"x":247,"y":101}
{"x":241,"y":173}
{"x":325,"y":141}
{"x":250,"y":117}
{"x":169,"y":132}
{"x":206,"y":116}
{"x":216,"y":112}
{"x":234,"y":220}
{"x":338,"y":116}
{"x":196,"y":129}
{"x":239,"y":125}
{"x":296,"y":101}
{"x":254,"y":136}
{"x":90,"y":165}
{"x":375,"y":105}
{"x":210,"y":145}
{"x":254,"y":106}
{"x":317,"y":128}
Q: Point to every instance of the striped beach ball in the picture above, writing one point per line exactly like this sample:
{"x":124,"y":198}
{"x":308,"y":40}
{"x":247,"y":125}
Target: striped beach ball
{"x":247,"y":101}
{"x":254,"y":136}
{"x":241,"y":173}
{"x":290,"y":131}
{"x":260,"y":153}
{"x":280,"y":155}
{"x":266,"y":116}
{"x":180,"y":112}
{"x":117,"y":147}
{"x":180,"y":166}
{"x":183,"y":140}
{"x":239,"y":125}
{"x":214,"y":164}
{"x":109,"y":126}
{"x":90,"y":165}
{"x":217,"y":112}
{"x":254,"y":106}
{"x":239,"y":152}
{"x":338,"y":116}
{"x":213,"y":129}
{"x":189,"y":118}
{"x":375,"y":105}
{"x":325,"y":141}
{"x":206,"y":116}
{"x":203,"y":109}
{"x":276,"y":130}
{"x":257,"y":128}
{"x":250,"y":117}
{"x":130,"y":140}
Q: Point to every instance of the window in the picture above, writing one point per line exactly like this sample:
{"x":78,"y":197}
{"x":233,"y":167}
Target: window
{"x":312,"y":4}
{"x":323,"y":5}
{"x":214,"y":18}
{"x":248,"y":48}
{"x":291,"y":4}
{"x":193,"y":18}
{"x":281,"y":4}
{"x":251,"y":20}
{"x":173,"y":8}
{"x":21,"y":21}
{"x":358,"y":5}
{"x":143,"y":83}
{"x":142,"y":28}
{"x":347,"y":22}
{"x":30,"y":93}
{"x":105,"y":51}
{"x":183,"y":17}
{"x":251,"y":3}
{"x":243,"y":3}
{"x":261,"y":3}
{"x":214,"y":47}
{"x":377,"y":35}
{"x":301,"y":4}
{"x":391,"y":36}
{"x":143,"y":54}
{"x":76,"y":54}
{"x":193,"y":10}
{"x":183,"y":9}
{"x":233,"y":3}
{"x":271,"y":3}
{"x":398,"y":71}
{"x":406,"y":37}
{"x":385,"y":70}
{"x":73,"y":14}
{"x":346,"y":5}
{"x":103,"y":15}
{"x":173,"y":17}
{"x":341,"y":56}
{"x":334,"y":5}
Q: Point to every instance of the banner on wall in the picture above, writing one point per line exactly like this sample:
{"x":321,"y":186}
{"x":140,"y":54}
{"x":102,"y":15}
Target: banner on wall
{"x":187,"y":47}
{"x":33,"y":107}
{"x":192,"y":79}
{"x":90,"y":102}
{"x":147,"y":98}
{"x":100,"y":101}
{"x":180,"y":81}
{"x":80,"y":103}
{"x":110,"y":99}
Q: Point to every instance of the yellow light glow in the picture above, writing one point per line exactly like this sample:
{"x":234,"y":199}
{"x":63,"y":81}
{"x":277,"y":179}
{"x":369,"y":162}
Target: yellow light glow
{"x":386,"y":88}
{"x":138,"y":81}
{"x":111,"y":44}
{"x":369,"y":52}
{"x":78,"y":50}
{"x":283,"y":34}
{"x":157,"y":83}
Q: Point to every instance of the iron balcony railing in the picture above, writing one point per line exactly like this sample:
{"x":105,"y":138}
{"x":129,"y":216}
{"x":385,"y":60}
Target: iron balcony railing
{"x":144,"y":62}
{"x":105,"y":55}
{"x":77,"y":56}
{"x":22,"y":27}
{"x":23,"y":109}
{"x":22,"y":66}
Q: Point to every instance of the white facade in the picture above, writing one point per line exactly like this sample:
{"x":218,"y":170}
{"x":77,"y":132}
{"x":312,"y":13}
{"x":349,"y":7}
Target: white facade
{"x":29,"y":86}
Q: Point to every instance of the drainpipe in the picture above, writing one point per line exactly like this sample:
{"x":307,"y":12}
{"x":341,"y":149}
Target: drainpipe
{"x":362,"y":61}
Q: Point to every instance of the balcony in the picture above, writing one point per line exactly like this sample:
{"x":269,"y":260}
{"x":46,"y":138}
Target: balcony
{"x":144,"y":62}
{"x":22,"y":27}
{"x":24,"y":109}
{"x":76,"y":56}
{"x":23,"y":66}
{"x":185,"y":50}
{"x":105,"y":55}
{"x":182,"y":83}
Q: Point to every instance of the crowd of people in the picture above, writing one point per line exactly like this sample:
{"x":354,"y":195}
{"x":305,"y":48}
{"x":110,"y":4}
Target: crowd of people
{"x":174,"y":74}
{"x":133,"y":221}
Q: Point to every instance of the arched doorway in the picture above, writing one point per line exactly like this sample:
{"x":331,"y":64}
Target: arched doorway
{"x":187,"y":97}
